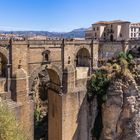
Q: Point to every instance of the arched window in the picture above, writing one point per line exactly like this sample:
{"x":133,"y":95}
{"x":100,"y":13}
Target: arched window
{"x":46,"y":55}
{"x":83,"y":58}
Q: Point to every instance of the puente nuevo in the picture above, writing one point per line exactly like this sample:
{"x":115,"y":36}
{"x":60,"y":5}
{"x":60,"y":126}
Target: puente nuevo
{"x":60,"y":69}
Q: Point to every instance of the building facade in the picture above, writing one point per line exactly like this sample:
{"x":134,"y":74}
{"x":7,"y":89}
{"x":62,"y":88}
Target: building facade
{"x":113,"y":31}
{"x":134,"y":31}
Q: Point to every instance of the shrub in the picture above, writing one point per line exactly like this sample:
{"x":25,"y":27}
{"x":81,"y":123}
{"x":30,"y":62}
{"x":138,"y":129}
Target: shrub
{"x":9,"y":127}
{"x":98,"y":86}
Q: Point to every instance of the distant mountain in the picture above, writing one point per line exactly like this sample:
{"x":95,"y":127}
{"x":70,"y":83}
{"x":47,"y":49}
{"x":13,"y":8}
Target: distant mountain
{"x":77,"y":33}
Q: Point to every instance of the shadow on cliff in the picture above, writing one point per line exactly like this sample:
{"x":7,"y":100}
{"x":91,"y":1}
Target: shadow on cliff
{"x":77,"y":134}
{"x":86,"y":119}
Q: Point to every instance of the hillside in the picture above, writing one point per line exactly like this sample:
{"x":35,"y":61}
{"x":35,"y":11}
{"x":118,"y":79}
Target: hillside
{"x":77,"y":33}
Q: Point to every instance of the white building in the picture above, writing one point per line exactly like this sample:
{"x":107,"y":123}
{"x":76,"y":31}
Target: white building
{"x":109,"y":31}
{"x":134,"y":31}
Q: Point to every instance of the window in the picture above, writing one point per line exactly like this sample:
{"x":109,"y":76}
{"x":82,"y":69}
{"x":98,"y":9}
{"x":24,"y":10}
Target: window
{"x":134,"y":29}
{"x":134,"y":34}
{"x":131,"y":29}
{"x":120,"y":35}
{"x":97,"y":28}
{"x":46,"y":55}
{"x":131,"y":34}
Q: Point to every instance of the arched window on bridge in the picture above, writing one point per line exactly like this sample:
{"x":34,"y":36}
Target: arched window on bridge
{"x":46,"y":55}
{"x":3,"y":66}
{"x":83,"y":58}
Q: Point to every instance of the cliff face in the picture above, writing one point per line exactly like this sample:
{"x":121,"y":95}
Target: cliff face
{"x":119,"y":118}
{"x":121,"y":111}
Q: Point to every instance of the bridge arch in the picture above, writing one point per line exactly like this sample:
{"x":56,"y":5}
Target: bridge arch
{"x":49,"y":68}
{"x":83,"y":58}
{"x":46,"y":88}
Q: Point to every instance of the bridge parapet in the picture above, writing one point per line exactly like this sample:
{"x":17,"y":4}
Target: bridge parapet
{"x":28,"y":41}
{"x":4,"y":43}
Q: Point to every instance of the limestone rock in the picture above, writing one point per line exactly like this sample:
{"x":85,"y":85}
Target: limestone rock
{"x":121,"y":112}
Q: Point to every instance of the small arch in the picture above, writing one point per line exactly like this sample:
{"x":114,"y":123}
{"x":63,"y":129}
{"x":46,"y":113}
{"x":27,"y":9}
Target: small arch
{"x":83,"y":58}
{"x":46,"y":55}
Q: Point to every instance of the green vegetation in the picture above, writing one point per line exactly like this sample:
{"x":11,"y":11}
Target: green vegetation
{"x":41,"y":123}
{"x":37,"y":116}
{"x":9,"y":127}
{"x":98,"y":85}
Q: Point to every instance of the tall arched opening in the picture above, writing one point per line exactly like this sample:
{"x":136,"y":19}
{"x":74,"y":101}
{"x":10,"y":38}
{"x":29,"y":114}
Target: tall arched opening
{"x":82,"y":63}
{"x":3,"y":65}
{"x":83,"y":58}
{"x":48,"y":105}
{"x":3,"y":73}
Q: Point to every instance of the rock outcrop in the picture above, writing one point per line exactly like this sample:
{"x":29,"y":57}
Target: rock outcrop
{"x":121,"y":112}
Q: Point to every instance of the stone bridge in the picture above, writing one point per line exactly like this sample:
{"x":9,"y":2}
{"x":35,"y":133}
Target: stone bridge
{"x":59,"y":69}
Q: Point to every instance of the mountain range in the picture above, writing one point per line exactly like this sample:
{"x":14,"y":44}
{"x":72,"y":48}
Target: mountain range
{"x":77,"y":33}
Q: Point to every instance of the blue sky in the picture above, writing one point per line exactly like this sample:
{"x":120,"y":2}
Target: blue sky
{"x":64,"y":15}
